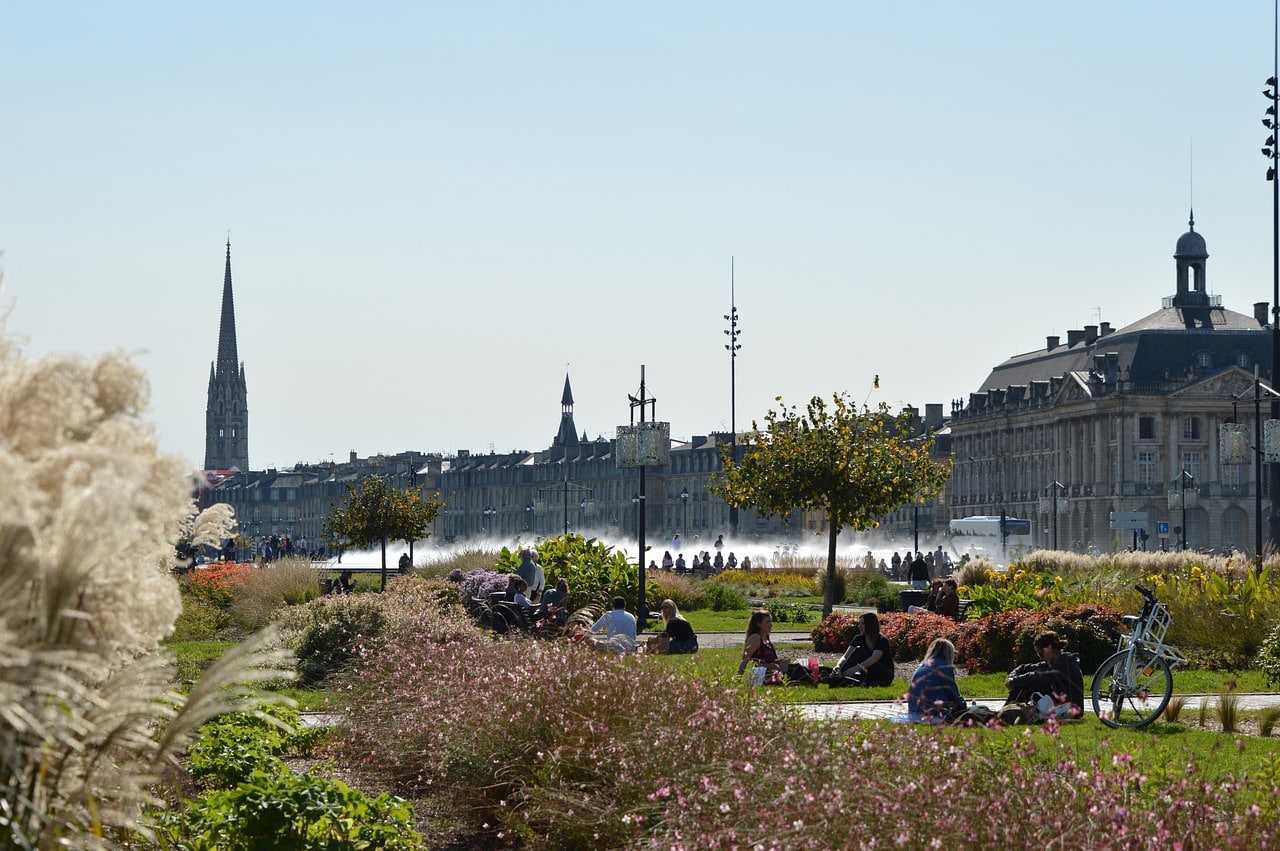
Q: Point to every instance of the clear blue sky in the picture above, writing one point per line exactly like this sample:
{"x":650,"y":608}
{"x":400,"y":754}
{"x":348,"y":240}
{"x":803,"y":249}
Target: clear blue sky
{"x":435,"y":208}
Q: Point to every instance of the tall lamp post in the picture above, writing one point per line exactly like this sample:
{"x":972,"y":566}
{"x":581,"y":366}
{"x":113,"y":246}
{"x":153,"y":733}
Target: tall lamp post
{"x":684,"y":501}
{"x":733,"y":346}
{"x":1057,"y":486}
{"x":489,"y":511}
{"x":1183,"y":478}
{"x":1272,"y":152}
{"x":641,"y":445}
{"x":528,"y":516}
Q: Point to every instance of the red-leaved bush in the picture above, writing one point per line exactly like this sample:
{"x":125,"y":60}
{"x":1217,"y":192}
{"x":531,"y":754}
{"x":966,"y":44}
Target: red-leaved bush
{"x":997,"y":642}
{"x":217,"y":584}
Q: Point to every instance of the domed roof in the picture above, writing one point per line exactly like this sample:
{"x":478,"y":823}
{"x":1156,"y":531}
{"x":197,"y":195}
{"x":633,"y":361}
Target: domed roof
{"x":1191,"y":244}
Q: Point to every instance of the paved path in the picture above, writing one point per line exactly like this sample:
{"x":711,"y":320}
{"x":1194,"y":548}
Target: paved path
{"x":850,"y":709}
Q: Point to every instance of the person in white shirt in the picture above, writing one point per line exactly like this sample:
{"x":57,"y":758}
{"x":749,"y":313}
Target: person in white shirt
{"x":616,"y":629}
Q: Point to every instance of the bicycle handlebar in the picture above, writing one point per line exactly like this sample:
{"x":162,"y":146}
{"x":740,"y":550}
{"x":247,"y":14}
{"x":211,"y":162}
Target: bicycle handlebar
{"x":1147,"y":593}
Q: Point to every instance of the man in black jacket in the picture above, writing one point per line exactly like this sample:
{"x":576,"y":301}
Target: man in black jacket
{"x":1057,"y":674}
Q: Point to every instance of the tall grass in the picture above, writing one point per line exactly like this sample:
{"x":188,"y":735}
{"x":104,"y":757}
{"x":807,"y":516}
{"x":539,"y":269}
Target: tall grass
{"x":287,"y":582}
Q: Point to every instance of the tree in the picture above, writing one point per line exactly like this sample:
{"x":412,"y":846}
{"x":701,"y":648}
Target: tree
{"x":853,"y":465}
{"x":376,"y":512}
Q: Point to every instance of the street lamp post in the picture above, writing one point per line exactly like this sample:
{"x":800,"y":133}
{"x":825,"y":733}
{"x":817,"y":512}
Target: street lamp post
{"x":684,"y":501}
{"x":1183,"y":478}
{"x":1272,"y":153}
{"x":733,"y":346}
{"x":1057,"y":486}
{"x":528,"y":515}
{"x":489,"y":511}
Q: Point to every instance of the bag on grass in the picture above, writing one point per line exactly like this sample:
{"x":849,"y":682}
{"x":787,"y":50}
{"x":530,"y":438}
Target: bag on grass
{"x":974,"y":716}
{"x":1013,"y":714}
{"x":803,"y":672}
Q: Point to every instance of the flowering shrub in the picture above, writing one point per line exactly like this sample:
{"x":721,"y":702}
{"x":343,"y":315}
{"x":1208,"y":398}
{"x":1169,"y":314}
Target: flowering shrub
{"x":218,"y":583}
{"x":1013,"y":589}
{"x":481,"y":583}
{"x":911,"y":635}
{"x":995,"y":643}
{"x":1219,"y":610}
{"x":588,"y":759}
{"x":1002,"y":641}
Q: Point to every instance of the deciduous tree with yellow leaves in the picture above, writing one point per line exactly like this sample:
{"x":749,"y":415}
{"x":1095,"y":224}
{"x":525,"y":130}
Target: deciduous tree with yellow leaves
{"x":853,"y":464}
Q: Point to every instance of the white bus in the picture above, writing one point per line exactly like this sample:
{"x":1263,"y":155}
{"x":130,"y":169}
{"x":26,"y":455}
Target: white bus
{"x":980,"y":535}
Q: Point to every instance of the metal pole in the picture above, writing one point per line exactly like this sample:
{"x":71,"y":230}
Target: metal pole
{"x":732,"y":317}
{"x":1273,"y":175}
{"x":1055,"y":514}
{"x":1183,"y":482}
{"x":915,"y":524}
{"x":1257,"y":467}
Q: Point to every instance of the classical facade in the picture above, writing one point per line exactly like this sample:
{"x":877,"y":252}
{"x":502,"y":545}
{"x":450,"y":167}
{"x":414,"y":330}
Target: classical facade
{"x":226,"y":418}
{"x":1122,"y":420}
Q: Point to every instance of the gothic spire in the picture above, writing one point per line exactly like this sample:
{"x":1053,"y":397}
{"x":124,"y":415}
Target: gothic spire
{"x":228,"y":357}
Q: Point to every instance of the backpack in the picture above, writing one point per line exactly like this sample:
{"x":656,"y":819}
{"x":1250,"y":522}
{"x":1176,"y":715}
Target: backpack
{"x":1012,"y":714}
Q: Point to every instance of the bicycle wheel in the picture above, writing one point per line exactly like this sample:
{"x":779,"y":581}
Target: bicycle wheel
{"x":1124,"y":698}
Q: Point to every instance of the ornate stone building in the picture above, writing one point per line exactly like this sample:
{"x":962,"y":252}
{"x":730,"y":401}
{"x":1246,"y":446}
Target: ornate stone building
{"x":226,"y":430}
{"x":1123,"y":420}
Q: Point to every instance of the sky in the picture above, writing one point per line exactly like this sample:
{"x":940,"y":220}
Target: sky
{"x":437,"y":210}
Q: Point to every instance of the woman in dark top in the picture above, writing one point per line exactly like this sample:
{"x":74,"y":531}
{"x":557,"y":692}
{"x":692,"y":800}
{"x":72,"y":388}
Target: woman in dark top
{"x":757,"y":649}
{"x":869,"y":659}
{"x":679,"y":634}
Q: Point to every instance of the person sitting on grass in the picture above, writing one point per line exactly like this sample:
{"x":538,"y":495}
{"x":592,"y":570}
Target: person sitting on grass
{"x":1057,"y":674}
{"x":677,"y":635}
{"x":757,"y":648}
{"x":867,"y":662}
{"x":933,"y":695}
{"x":615,"y":631}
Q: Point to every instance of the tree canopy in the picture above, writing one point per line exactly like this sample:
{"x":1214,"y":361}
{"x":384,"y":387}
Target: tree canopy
{"x":376,"y":512}
{"x":853,"y":464}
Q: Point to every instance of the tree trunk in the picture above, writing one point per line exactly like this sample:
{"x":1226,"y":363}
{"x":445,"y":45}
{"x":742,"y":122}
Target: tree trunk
{"x":828,"y":598}
{"x":384,"y":564}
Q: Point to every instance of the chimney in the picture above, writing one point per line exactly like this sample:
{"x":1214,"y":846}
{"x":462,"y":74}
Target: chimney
{"x":933,"y":415}
{"x":1260,"y":312}
{"x":1090,"y":333}
{"x":1051,"y":343}
{"x":1074,"y":336}
{"x":1105,"y":329}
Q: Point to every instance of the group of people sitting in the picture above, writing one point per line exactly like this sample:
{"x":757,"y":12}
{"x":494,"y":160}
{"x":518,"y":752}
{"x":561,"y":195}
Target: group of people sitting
{"x":703,"y":563}
{"x":943,"y":599}
{"x":932,"y":695}
{"x":615,"y":631}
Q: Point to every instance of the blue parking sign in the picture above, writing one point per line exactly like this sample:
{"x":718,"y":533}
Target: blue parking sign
{"x":1162,"y":529}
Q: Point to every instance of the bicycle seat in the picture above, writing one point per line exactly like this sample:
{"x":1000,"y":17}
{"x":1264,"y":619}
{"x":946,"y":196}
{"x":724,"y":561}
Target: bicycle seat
{"x":1130,"y":620}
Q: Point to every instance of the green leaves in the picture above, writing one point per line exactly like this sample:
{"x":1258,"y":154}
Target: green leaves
{"x":853,"y":465}
{"x":376,"y":512}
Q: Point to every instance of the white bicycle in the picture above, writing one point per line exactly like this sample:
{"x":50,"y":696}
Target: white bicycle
{"x":1133,"y":686}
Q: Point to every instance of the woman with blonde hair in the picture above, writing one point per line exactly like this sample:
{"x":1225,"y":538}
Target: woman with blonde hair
{"x":933,"y":695}
{"x":677,"y":635}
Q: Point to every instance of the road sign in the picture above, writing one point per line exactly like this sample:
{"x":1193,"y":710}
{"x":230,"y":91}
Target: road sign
{"x":1162,"y":529}
{"x":1128,"y":520}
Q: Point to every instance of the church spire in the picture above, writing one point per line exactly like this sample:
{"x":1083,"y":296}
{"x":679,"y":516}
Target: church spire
{"x":226,"y":417}
{"x":228,"y":358}
{"x":568,"y":433}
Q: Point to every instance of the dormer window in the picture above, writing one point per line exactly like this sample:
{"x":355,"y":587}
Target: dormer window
{"x":1204,"y":360}
{"x":1242,"y":360}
